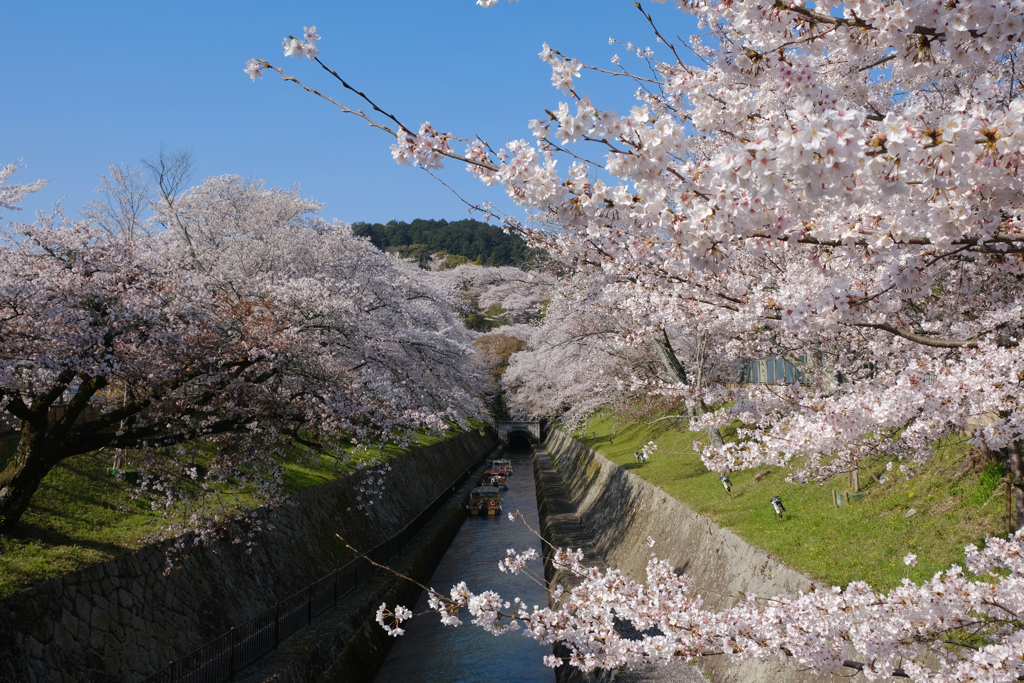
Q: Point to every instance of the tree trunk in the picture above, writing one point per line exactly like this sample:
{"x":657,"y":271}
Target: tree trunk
{"x":668,"y":358}
{"x":22,"y":476}
{"x":677,"y":372}
{"x":1016,"y":473}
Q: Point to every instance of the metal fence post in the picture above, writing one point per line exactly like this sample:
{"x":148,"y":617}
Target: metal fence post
{"x":231,"y":653}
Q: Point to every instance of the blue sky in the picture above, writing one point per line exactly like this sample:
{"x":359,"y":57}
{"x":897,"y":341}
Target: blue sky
{"x":87,"y":84}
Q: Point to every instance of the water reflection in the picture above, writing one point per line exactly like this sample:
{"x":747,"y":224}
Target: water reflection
{"x":431,"y":652}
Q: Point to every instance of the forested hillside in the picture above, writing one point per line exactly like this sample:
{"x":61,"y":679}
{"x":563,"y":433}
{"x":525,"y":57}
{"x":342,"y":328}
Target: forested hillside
{"x":474,"y":241}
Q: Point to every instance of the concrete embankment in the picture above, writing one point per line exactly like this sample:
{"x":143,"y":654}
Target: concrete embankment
{"x":124,"y":620}
{"x":617,"y":511}
{"x":561,"y":526}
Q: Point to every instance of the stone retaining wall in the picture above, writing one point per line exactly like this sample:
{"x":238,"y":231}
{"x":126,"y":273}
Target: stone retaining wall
{"x":346,"y":643}
{"x":620,"y":510}
{"x":123,"y":620}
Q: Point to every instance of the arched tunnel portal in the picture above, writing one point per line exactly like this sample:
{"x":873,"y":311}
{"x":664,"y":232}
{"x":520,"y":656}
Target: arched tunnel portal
{"x":519,"y":441}
{"x":519,"y":435}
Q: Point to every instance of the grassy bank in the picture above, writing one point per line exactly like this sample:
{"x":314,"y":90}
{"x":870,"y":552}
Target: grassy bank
{"x":82,"y":514}
{"x":866,"y":540}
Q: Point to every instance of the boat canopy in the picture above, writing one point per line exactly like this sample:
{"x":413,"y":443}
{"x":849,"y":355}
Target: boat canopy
{"x":483,"y":490}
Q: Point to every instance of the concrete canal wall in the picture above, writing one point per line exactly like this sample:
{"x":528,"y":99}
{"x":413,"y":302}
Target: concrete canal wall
{"x":618,"y":511}
{"x":124,"y":620}
{"x":561,"y":526}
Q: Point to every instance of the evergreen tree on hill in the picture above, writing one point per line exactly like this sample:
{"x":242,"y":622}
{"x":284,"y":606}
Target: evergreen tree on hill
{"x":475,"y":240}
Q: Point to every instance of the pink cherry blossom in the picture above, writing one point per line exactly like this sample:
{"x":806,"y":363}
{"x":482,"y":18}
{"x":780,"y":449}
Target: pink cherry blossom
{"x":238,"y":316}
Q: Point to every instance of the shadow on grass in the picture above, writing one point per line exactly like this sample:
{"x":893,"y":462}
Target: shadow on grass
{"x":56,"y":499}
{"x":31,"y":532}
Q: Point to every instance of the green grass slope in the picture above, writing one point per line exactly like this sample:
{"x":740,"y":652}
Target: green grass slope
{"x":866,"y":540}
{"x":82,"y":515}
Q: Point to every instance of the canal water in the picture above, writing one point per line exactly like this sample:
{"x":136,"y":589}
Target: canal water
{"x":432,"y":652}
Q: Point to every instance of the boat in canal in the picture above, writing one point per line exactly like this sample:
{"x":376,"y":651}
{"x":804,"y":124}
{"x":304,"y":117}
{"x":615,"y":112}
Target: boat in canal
{"x":497,"y":480}
{"x":492,"y":471}
{"x":503,"y":464}
{"x":431,"y":652}
{"x":484,"y":500}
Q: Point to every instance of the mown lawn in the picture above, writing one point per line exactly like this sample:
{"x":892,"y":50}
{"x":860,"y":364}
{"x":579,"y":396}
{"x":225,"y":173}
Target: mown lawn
{"x":866,"y":540}
{"x":82,"y":514}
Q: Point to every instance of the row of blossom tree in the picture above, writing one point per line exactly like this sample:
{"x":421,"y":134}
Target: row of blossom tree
{"x":234,"y":315}
{"x":838,"y":181}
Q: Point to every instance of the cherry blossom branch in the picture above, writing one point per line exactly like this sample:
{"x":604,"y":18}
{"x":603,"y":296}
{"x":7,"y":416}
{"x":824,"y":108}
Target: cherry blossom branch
{"x":1012,"y":240}
{"x":361,"y":94}
{"x":856,"y":22}
{"x":970,"y":343}
{"x":657,"y":33}
{"x":314,"y":91}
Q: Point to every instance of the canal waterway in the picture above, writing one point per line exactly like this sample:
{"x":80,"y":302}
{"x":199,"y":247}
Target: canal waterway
{"x":432,"y":652}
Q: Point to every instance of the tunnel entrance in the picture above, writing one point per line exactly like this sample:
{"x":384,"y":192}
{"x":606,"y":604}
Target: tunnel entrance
{"x":518,"y":441}
{"x":509,"y":430}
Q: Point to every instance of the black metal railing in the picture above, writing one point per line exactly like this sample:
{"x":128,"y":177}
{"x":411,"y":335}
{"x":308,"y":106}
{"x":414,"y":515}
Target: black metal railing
{"x":220,"y":659}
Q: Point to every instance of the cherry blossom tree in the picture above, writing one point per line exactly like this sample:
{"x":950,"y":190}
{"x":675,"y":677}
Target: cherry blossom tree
{"x":247,"y":322}
{"x":602,"y":342}
{"x":126,"y":199}
{"x":505,"y":305}
{"x":12,"y":193}
{"x":518,"y":295}
{"x":843,"y":178}
{"x":837,"y":181}
{"x":570,"y":369}
{"x":587,"y":354}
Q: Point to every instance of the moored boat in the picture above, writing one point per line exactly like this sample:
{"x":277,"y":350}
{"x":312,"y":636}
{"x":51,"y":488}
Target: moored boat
{"x":494,"y":470}
{"x":499,"y":481}
{"x":484,"y":500}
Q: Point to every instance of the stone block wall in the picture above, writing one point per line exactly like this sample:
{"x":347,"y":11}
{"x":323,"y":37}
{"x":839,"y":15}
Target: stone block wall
{"x":124,"y":620}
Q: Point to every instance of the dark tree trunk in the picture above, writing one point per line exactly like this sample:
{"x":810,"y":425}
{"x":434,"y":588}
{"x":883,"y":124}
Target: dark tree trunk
{"x":667,"y":356}
{"x":1016,"y":473}
{"x":43,"y":442}
{"x":677,"y":372}
{"x":22,"y":476}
